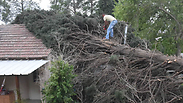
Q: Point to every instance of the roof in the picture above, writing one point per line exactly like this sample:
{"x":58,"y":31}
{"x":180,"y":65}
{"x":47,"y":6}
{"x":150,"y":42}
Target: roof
{"x":20,"y":67}
{"x":16,"y":42}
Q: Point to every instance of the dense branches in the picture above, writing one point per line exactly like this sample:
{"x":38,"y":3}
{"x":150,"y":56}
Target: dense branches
{"x":108,"y":71}
{"x":118,"y":73}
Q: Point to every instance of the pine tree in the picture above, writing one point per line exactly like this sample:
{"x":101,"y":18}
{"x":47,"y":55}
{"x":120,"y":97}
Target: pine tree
{"x":10,"y":8}
{"x":4,"y":11}
{"x":106,"y":6}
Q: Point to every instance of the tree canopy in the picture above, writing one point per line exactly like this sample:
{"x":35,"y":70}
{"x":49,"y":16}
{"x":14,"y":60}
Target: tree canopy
{"x":49,"y":25}
{"x":152,"y":19}
{"x":106,"y":6}
{"x":10,"y":8}
{"x":87,"y":7}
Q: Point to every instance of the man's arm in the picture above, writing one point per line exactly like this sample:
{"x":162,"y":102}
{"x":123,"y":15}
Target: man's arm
{"x":106,"y":24}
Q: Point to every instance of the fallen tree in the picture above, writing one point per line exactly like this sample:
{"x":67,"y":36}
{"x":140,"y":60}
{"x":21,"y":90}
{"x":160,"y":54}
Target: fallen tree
{"x":108,"y":71}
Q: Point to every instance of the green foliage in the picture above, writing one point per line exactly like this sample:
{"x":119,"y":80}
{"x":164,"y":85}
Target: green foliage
{"x":114,"y":59}
{"x":50,"y":25}
{"x":167,"y":46}
{"x":106,"y":6}
{"x":10,"y":8}
{"x":119,"y":96}
{"x":60,"y":5}
{"x":5,"y":11}
{"x":87,"y":7}
{"x":132,"y":39}
{"x":59,"y":87}
{"x":90,"y":6}
{"x":154,"y":18}
{"x":90,"y":92}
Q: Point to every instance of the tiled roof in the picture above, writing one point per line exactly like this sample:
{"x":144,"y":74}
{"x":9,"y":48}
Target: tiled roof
{"x":16,"y":42}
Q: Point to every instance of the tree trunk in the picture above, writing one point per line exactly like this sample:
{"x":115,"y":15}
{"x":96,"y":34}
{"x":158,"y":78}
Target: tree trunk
{"x":91,"y":8}
{"x":110,"y":47}
{"x":22,"y":4}
{"x":74,"y":6}
{"x":178,"y":49}
{"x":137,"y":52}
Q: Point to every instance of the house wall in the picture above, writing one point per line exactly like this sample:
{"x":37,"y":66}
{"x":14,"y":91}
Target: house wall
{"x":44,"y":75}
{"x":34,"y":89}
{"x":24,"y":87}
{"x":28,"y":89}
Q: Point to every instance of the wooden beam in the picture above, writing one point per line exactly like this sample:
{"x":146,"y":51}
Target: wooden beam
{"x":18,"y":89}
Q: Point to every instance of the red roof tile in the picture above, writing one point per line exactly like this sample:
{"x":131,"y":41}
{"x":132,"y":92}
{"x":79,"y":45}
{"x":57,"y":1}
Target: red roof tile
{"x":16,"y":42}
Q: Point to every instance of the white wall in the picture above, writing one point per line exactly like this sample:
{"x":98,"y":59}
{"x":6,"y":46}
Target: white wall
{"x":28,"y":89}
{"x":24,"y":87}
{"x":34,"y":89}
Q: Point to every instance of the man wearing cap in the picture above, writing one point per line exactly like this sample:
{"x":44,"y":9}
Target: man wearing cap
{"x":113,"y":22}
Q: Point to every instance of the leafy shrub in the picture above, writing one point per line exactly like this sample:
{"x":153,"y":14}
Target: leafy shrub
{"x":59,"y":87}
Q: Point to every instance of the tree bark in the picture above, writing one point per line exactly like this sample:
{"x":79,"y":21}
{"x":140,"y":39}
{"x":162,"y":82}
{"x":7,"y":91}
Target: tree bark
{"x":178,"y":49}
{"x":137,"y":52}
{"x":22,"y":4}
{"x":113,"y":46}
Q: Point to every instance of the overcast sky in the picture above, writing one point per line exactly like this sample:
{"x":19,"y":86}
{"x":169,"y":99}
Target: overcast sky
{"x":44,"y":4}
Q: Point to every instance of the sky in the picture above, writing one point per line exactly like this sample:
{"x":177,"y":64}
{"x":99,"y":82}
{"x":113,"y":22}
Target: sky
{"x":44,"y":4}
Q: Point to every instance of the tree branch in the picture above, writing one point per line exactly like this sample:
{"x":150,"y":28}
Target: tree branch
{"x":180,"y":27}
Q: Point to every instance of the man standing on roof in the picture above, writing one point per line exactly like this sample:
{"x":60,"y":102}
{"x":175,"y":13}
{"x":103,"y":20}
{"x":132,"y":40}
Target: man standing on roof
{"x":113,"y":22}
